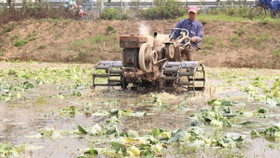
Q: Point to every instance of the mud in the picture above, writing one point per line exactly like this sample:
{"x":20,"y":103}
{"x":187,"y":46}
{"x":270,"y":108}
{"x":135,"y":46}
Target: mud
{"x":26,"y":117}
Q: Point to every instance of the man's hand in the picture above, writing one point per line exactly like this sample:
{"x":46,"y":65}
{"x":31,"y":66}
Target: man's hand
{"x":194,"y":40}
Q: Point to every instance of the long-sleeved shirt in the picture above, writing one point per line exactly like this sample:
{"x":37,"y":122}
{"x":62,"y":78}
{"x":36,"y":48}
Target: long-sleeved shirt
{"x":195,"y":29}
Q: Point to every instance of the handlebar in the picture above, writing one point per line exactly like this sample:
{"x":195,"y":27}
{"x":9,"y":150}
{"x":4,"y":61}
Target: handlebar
{"x":185,"y":30}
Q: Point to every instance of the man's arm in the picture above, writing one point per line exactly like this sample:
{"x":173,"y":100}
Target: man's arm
{"x":199,"y":34}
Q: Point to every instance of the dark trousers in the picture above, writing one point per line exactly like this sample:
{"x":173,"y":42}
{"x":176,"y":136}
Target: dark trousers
{"x":186,"y":53}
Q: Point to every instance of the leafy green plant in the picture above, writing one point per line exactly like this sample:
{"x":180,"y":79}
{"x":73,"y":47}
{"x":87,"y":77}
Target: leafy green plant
{"x":235,"y":11}
{"x":265,"y":22}
{"x":8,"y":28}
{"x":31,"y":37}
{"x":8,"y":149}
{"x":71,"y":111}
{"x":212,"y":117}
{"x":111,"y":13}
{"x":276,"y":53}
{"x":164,"y":10}
{"x":15,"y":37}
{"x":89,"y":46}
{"x":21,"y":43}
{"x":239,"y":32}
{"x":58,"y":35}
{"x":110,"y":29}
{"x":41,"y":100}
{"x":273,"y":131}
{"x":235,"y":40}
{"x":28,"y":85}
{"x":209,"y":42}
{"x":76,"y":93}
{"x":1,"y":11}
{"x":41,"y":47}
{"x":91,"y":151}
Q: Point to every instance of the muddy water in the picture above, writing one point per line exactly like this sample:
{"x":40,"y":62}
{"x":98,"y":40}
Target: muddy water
{"x":27,"y":117}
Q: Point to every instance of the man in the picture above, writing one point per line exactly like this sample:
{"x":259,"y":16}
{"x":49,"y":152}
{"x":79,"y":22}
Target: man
{"x":195,"y":29}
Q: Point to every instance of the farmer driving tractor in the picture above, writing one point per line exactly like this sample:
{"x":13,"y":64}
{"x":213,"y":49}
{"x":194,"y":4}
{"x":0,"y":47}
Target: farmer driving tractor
{"x":195,"y":29}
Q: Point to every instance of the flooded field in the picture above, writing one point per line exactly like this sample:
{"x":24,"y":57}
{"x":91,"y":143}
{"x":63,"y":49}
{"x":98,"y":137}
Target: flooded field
{"x":49,"y":110}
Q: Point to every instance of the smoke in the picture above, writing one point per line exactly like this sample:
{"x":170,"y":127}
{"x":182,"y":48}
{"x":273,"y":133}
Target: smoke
{"x":143,"y":29}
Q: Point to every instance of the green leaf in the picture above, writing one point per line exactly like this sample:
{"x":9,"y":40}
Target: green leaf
{"x":132,"y":133}
{"x":117,"y":146}
{"x":155,"y":132}
{"x":226,"y":103}
{"x":235,"y":136}
{"x":91,"y":152}
{"x":6,"y":146}
{"x":248,"y":123}
{"x":211,"y":102}
{"x":112,"y":130}
{"x":95,"y":130}
{"x":254,"y":133}
{"x":197,"y":143}
{"x":194,"y":121}
{"x":262,"y":111}
{"x":178,"y":135}
{"x":82,"y":129}
{"x":101,"y":113}
{"x":28,"y":85}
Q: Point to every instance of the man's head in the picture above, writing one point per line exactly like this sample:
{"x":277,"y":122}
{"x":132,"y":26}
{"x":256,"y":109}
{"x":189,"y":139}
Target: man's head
{"x":192,"y":12}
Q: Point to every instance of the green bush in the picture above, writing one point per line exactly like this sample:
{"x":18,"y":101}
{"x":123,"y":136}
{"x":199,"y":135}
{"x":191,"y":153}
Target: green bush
{"x":20,"y":43}
{"x":1,"y":11}
{"x":166,"y":9}
{"x":276,"y":53}
{"x":41,"y":47}
{"x":230,"y":11}
{"x":234,"y":38}
{"x":239,"y":32}
{"x":111,"y":13}
{"x":110,"y":29}
{"x":3,"y":50}
{"x":8,"y":28}
{"x":209,"y":42}
{"x":100,"y":38}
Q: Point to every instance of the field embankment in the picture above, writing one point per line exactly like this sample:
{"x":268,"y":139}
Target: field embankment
{"x":230,"y":44}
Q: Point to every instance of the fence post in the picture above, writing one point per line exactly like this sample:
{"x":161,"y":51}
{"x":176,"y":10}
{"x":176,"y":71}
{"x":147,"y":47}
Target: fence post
{"x":121,"y":6}
{"x":101,"y":6}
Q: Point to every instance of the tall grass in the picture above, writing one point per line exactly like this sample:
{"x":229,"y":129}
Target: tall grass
{"x":239,"y":11}
{"x":94,"y":48}
{"x":1,"y":11}
{"x":165,"y":9}
{"x":111,"y":13}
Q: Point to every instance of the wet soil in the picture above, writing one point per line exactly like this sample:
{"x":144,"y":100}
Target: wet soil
{"x":26,"y":117}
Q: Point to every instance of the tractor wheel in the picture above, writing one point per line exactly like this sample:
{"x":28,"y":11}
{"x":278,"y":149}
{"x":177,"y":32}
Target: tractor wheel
{"x":170,"y":51}
{"x":145,"y":61}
